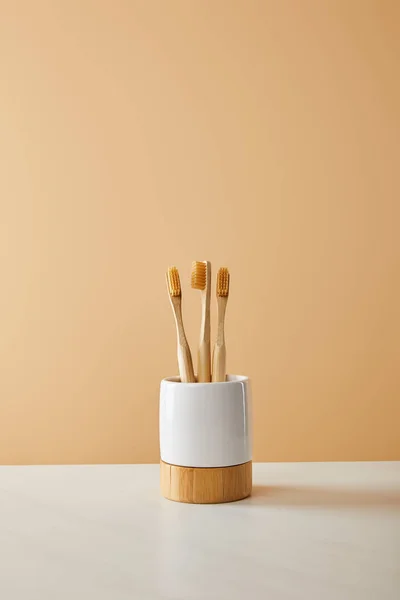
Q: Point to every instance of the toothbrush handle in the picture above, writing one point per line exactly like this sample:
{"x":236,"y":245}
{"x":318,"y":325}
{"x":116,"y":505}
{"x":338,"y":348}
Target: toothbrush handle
{"x":219,"y":355}
{"x":219,"y":363}
{"x":204,"y":362}
{"x":185,"y":364}
{"x":204,"y":353}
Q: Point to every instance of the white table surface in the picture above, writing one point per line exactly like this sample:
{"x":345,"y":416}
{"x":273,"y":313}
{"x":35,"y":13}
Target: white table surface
{"x":315,"y":531}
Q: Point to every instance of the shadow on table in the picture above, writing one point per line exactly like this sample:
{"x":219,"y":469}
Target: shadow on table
{"x":323,"y":497}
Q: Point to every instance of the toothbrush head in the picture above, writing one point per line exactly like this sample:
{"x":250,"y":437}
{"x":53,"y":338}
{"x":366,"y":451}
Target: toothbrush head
{"x":199,"y":275}
{"x":223,"y":282}
{"x":173,"y":282}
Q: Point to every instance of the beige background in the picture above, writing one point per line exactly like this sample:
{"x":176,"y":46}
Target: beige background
{"x":262,"y":135}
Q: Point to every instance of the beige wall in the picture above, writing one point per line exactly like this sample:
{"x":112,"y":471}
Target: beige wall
{"x":262,"y":135}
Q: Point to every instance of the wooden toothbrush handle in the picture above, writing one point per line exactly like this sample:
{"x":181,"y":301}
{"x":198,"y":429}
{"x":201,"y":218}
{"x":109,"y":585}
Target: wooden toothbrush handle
{"x":204,"y":353}
{"x":185,"y":364}
{"x":219,"y":363}
{"x":204,"y":362}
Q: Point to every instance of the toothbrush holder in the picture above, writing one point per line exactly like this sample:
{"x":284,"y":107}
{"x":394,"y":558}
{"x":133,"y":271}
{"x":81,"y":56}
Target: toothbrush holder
{"x":206,"y":440}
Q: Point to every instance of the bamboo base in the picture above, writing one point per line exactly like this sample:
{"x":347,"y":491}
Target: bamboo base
{"x":206,"y":486}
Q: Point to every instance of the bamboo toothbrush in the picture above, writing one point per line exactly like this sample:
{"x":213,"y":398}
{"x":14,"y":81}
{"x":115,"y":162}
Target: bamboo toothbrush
{"x":184,"y":356}
{"x":201,"y":280}
{"x":219,"y":354}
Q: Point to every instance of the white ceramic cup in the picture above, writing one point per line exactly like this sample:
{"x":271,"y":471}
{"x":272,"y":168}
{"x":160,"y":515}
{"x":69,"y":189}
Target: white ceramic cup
{"x":206,"y":424}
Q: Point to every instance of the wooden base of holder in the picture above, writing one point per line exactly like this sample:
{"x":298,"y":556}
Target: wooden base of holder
{"x":206,"y":486}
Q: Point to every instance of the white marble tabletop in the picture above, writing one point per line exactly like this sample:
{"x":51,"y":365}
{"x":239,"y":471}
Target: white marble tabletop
{"x":312,"y":531}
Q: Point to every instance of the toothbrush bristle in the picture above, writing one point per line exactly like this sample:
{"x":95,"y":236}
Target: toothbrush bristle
{"x":174,"y":283}
{"x":223,"y":282}
{"x":199,"y":275}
